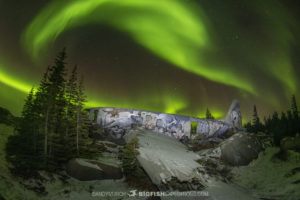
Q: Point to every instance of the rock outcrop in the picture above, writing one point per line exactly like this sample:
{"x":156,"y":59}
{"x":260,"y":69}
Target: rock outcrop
{"x":6,"y":117}
{"x":240,"y":149}
{"x":290,"y":143}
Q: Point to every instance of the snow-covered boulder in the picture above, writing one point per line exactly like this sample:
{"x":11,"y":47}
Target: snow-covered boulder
{"x":240,"y":149}
{"x":87,"y":170}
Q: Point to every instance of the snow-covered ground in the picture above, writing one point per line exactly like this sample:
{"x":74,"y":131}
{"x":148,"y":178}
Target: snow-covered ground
{"x":164,"y":157}
{"x":89,"y":190}
{"x":266,"y":177}
{"x":12,"y":189}
{"x":271,"y":178}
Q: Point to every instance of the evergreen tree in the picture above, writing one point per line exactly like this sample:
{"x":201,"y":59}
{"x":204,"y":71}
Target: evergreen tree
{"x":56,"y":140}
{"x":28,"y":125}
{"x":22,"y":148}
{"x":82,"y":122}
{"x":129,"y":161}
{"x":70,"y":118}
{"x":287,"y":124}
{"x":27,"y":108}
{"x":54,"y":126}
{"x":248,"y":127}
{"x":276,"y":128}
{"x":256,"y":121}
{"x":71,"y":97}
{"x":42,"y":109}
{"x":283,"y":123}
{"x":295,"y":115}
{"x":290,"y":123}
{"x":294,"y":108}
{"x":208,"y":114}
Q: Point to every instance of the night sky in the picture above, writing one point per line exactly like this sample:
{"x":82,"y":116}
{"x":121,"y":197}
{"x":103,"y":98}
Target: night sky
{"x":175,"y":56}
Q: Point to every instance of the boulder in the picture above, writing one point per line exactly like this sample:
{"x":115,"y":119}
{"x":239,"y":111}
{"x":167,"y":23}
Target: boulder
{"x":290,"y":143}
{"x":6,"y":117}
{"x":88,"y":170}
{"x":240,"y":149}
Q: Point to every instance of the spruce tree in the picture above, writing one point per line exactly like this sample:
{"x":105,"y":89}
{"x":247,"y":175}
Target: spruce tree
{"x":283,"y":123}
{"x":54,"y":126}
{"x":208,"y":114}
{"x":57,"y":89}
{"x":294,"y":108}
{"x":248,"y":127}
{"x":290,"y":123}
{"x":28,"y":123}
{"x":255,"y":121}
{"x":71,"y":97}
{"x":42,"y":110}
{"x":129,"y":161}
{"x":295,"y":114}
{"x":57,"y":84}
{"x":21,"y":148}
{"x":70,"y":118}
{"x":275,"y":128}
{"x":82,"y":123}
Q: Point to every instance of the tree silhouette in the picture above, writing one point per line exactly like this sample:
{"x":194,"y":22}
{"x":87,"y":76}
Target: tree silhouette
{"x":54,"y":125}
{"x":287,"y":124}
{"x":295,"y":115}
{"x":208,"y":114}
{"x":294,"y":108}
{"x":257,"y":126}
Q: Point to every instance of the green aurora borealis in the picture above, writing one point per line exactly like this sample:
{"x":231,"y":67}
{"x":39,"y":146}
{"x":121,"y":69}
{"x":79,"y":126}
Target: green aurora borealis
{"x":167,"y":28}
{"x":174,"y":56}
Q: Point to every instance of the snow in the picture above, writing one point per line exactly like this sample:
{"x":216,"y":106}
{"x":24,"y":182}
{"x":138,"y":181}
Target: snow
{"x":163,"y":157}
{"x":88,"y":190}
{"x":268,"y":177}
{"x":218,"y":190}
{"x":12,"y":189}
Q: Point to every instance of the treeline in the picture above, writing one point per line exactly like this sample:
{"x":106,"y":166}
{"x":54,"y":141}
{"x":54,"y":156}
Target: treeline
{"x":278,"y":125}
{"x":54,"y":125}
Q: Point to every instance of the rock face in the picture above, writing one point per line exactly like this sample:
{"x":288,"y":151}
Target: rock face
{"x":240,"y":149}
{"x":88,"y":170}
{"x":290,"y":143}
{"x":6,"y":117}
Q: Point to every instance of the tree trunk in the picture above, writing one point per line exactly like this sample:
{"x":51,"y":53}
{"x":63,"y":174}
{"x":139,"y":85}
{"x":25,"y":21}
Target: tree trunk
{"x":35,"y":140}
{"x":67,"y":118}
{"x":46,"y":134}
{"x":77,"y":131}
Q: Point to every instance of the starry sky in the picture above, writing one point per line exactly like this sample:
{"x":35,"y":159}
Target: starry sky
{"x":174,"y":56}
